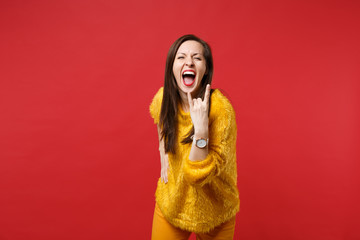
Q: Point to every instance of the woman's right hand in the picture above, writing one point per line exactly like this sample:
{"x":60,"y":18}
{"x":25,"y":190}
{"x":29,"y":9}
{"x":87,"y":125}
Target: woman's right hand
{"x":164,"y":165}
{"x":164,"y":160}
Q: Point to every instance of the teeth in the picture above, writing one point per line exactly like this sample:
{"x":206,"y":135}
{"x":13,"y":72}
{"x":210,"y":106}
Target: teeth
{"x":188,"y":73}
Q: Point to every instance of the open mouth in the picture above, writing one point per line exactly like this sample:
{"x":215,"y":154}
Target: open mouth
{"x":188,"y":77}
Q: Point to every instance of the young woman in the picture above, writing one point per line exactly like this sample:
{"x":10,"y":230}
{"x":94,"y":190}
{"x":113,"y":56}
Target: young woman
{"x":197,"y":191}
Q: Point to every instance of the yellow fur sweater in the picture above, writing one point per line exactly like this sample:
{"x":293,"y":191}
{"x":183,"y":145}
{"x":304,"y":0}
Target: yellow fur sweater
{"x":201,"y":195}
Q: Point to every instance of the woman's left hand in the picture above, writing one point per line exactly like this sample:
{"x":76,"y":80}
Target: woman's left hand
{"x":199,"y":111}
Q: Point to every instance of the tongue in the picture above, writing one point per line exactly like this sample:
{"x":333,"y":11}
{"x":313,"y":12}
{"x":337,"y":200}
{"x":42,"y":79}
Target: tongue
{"x":188,"y":80}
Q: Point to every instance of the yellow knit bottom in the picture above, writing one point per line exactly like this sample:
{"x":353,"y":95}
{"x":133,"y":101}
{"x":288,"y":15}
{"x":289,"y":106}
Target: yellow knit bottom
{"x":163,"y":230}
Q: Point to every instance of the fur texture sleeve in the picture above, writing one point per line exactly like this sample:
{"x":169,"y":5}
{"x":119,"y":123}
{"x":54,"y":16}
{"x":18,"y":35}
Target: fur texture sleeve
{"x":222,"y":145}
{"x":155,"y":106}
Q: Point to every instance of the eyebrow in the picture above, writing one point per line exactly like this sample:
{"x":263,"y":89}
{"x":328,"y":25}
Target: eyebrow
{"x":193,"y":54}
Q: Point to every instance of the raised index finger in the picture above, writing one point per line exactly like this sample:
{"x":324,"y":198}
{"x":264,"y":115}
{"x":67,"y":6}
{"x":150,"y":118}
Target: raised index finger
{"x":207,"y":93}
{"x":190,"y":100}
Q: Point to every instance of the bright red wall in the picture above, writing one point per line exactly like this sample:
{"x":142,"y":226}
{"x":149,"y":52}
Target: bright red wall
{"x":78,"y":149}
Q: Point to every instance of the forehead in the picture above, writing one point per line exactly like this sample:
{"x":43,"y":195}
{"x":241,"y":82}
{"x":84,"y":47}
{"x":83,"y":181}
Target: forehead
{"x":191,"y":46}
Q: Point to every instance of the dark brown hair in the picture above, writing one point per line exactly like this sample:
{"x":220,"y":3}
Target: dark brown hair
{"x":171,"y":95}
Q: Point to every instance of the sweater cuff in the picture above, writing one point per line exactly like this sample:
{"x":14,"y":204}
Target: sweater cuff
{"x":199,"y":172}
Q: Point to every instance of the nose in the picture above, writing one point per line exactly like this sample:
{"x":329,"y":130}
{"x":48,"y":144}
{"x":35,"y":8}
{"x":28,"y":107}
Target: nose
{"x":189,"y":61}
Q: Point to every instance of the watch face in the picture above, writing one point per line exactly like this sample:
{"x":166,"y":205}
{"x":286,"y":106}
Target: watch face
{"x":201,"y":143}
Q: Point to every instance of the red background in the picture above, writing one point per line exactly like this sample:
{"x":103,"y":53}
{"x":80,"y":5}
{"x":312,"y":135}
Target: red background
{"x":78,"y":149}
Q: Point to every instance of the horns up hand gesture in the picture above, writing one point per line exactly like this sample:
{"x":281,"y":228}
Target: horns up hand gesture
{"x":199,"y":112}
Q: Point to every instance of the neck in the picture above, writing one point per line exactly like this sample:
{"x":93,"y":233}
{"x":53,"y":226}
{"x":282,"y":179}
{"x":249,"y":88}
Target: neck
{"x":184,"y":102}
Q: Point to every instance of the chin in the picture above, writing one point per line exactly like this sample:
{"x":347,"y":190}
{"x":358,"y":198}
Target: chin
{"x":191,"y":89}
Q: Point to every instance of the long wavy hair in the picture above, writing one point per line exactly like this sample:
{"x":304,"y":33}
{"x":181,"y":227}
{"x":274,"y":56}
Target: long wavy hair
{"x":171,"y":95}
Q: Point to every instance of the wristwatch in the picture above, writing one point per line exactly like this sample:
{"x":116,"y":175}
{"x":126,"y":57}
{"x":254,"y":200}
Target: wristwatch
{"x":200,"y":142}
